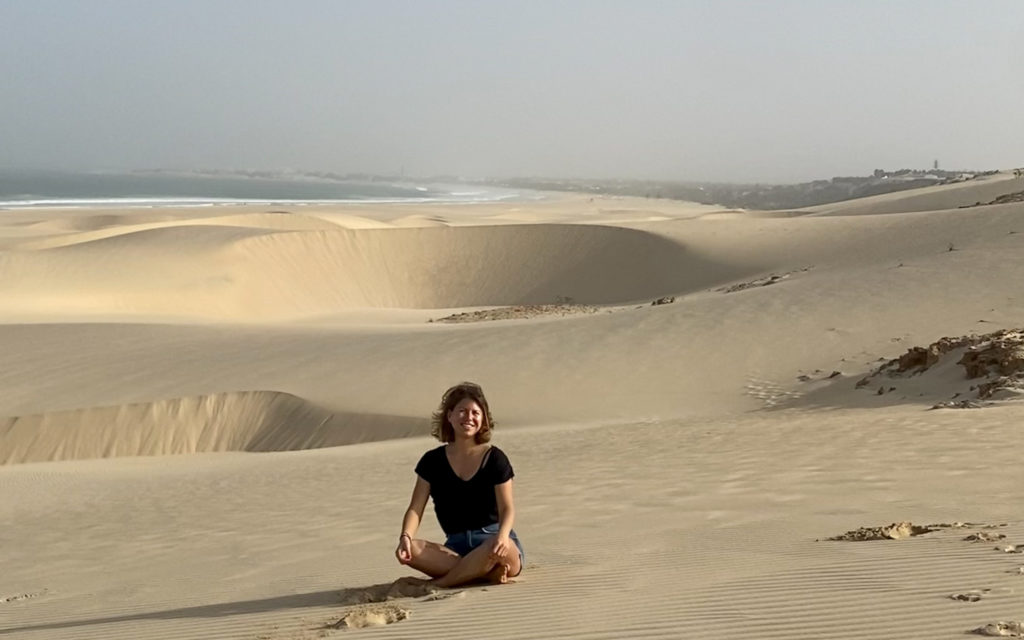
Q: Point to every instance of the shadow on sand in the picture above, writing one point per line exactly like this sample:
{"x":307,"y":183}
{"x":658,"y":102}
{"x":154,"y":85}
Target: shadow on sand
{"x":401,"y":588}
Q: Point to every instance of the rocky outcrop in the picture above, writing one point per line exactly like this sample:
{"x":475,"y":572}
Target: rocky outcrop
{"x":995,"y":359}
{"x":519,"y":312}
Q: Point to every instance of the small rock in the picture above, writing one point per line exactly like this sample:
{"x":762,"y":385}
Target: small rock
{"x":1011,"y":629}
{"x":966,"y":597}
{"x":983,"y":536}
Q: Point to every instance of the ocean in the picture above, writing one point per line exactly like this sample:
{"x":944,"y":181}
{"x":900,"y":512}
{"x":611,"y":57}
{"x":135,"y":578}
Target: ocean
{"x":24,"y":189}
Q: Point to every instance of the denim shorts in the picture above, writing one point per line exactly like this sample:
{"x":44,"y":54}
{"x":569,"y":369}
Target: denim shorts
{"x":465,"y":541}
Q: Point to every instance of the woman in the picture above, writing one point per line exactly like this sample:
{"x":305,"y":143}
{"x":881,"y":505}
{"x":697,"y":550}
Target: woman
{"x":470,"y":482}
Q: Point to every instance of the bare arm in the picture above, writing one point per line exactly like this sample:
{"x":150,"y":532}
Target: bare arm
{"x":414,"y":514}
{"x":412,"y":519}
{"x":506,"y":516}
{"x":506,"y":507}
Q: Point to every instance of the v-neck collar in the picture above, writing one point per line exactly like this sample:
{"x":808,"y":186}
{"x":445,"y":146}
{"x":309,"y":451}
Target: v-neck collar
{"x":483,"y":461}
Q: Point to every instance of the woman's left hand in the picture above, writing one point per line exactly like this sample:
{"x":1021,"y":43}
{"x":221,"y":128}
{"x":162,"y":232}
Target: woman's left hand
{"x":500,"y":547}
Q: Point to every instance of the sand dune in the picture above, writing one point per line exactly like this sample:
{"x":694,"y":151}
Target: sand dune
{"x":254,"y":272}
{"x":981,"y":190}
{"x":116,"y":226}
{"x":680,"y":467}
{"x":238,"y":421}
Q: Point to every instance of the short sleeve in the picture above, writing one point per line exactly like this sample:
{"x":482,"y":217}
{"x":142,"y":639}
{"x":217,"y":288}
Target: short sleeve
{"x":424,"y":468}
{"x":500,"y":470}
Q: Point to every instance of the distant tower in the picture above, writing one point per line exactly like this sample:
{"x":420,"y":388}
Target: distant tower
{"x":935,"y":165}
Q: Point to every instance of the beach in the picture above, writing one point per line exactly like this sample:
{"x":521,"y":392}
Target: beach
{"x":210,"y":415}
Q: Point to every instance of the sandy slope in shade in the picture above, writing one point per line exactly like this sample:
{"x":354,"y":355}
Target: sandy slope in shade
{"x":674,"y":475}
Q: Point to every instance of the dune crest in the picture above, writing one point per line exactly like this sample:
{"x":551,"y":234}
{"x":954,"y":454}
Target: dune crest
{"x":234,"y":421}
{"x":247,"y":273}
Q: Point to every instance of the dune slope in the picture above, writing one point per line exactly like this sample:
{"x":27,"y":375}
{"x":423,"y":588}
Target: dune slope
{"x":239,"y":421}
{"x":252,"y":272}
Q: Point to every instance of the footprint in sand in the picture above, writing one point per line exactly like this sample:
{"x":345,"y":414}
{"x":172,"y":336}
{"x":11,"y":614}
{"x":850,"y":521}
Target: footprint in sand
{"x":771,"y":393}
{"x":407,"y":587}
{"x":371,"y":606}
{"x":375,"y":615}
{"x":1011,"y":629}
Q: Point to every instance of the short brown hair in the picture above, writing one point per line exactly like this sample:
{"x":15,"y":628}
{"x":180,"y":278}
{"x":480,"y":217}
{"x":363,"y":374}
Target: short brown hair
{"x":441,"y":428}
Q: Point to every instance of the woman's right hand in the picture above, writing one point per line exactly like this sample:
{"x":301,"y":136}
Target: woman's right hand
{"x":404,"y":550}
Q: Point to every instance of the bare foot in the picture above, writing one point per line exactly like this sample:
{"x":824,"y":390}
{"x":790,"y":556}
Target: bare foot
{"x":497,"y":575}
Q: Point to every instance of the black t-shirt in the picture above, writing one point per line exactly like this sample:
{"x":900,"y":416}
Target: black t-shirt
{"x":460,"y":504}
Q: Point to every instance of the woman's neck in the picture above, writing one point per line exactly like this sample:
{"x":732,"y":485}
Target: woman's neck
{"x":463,"y":445}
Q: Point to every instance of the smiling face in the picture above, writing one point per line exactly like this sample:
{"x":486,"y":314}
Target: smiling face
{"x":466,"y":418}
{"x":463,"y":413}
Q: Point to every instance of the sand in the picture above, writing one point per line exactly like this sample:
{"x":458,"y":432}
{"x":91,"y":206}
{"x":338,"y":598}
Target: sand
{"x":211,"y":416}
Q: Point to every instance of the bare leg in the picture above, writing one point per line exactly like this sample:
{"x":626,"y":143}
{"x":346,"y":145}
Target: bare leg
{"x":478,"y":564}
{"x":432,"y":558}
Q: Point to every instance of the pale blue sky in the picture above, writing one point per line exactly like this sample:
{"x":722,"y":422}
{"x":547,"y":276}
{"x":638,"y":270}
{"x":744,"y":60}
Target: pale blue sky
{"x":716,"y":90}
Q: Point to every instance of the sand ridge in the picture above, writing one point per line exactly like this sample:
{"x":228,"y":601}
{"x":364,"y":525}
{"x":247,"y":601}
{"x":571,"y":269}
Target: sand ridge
{"x":234,"y":421}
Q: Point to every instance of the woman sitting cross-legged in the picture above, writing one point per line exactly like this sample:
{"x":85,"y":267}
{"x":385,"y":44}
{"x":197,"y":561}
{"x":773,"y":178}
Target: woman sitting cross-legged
{"x":470,"y":482}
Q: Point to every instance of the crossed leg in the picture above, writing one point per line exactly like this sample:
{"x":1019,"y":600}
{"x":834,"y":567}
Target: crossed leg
{"x":449,"y":569}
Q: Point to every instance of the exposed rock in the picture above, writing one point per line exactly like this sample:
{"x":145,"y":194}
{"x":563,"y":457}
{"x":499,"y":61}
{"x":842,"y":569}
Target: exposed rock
{"x":960,"y":404}
{"x":997,"y":358}
{"x":919,"y":359}
{"x":519,"y":312}
{"x":1011,"y":629}
{"x":665,"y":300}
{"x":759,"y":282}
{"x":970,"y":596}
{"x":1001,"y":352}
{"x":984,"y":536}
{"x":893,"y":531}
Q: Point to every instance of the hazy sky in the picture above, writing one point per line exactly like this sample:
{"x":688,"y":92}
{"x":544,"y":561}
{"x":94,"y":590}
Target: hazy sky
{"x":716,"y":90}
